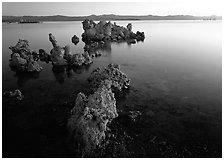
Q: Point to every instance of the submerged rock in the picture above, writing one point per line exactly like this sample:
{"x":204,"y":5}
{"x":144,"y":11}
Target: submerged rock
{"x":17,"y":94}
{"x":134,"y":115}
{"x":23,"y":58}
{"x":90,"y":117}
{"x":113,"y":73}
{"x":75,"y":39}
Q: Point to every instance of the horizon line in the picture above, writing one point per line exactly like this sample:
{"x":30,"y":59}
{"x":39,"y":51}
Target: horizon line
{"x":114,"y":15}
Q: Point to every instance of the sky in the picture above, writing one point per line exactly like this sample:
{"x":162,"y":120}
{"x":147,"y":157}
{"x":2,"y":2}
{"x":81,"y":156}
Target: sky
{"x":153,"y":7}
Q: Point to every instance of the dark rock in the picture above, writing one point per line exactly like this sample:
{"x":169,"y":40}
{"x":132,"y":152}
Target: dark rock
{"x":129,"y":27}
{"x":113,"y":73}
{"x":90,"y":117}
{"x":131,"y":41}
{"x":140,"y":36}
{"x":75,"y":39}
{"x":23,"y":58}
{"x":17,"y":94}
{"x":44,"y":56}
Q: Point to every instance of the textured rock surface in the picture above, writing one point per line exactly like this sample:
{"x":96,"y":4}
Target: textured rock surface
{"x":75,"y":39}
{"x":113,"y":73}
{"x":62,"y":56}
{"x":104,"y":31}
{"x":89,"y":118}
{"x":23,"y":58}
{"x":96,"y":32}
{"x":17,"y":94}
{"x":79,"y":59}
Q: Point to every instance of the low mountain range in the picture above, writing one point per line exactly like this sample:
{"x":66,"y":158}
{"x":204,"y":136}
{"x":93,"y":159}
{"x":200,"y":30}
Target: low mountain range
{"x":110,"y":17}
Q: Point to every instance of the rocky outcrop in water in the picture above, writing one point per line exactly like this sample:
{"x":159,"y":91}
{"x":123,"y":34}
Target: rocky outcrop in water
{"x":17,"y":95}
{"x":63,"y":56}
{"x":57,"y":53}
{"x":23,"y":58}
{"x":96,"y":31}
{"x":75,"y":39}
{"x":113,"y":73}
{"x":91,"y":115}
{"x":89,"y":118}
{"x":103,"y":31}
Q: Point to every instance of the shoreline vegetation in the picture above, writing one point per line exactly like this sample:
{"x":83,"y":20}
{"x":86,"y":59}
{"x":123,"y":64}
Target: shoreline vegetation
{"x":109,"y":17}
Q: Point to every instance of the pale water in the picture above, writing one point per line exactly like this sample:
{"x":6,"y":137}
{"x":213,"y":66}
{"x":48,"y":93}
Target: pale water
{"x":176,"y":85}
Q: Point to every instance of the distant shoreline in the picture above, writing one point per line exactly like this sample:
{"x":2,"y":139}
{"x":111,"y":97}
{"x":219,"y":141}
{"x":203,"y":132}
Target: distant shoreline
{"x":12,"y":19}
{"x":111,"y":20}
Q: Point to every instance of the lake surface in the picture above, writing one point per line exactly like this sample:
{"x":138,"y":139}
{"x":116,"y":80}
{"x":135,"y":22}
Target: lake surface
{"x":176,"y":85}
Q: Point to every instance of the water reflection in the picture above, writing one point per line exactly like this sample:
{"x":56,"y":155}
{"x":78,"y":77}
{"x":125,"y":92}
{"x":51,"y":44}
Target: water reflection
{"x":98,"y":47}
{"x":61,"y":73}
{"x":23,"y":77}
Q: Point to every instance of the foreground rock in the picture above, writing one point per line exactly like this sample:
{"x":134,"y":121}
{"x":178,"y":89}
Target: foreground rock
{"x":23,"y":58}
{"x":75,"y":39}
{"x":113,"y":73}
{"x":17,"y":94}
{"x":62,"y":56}
{"x":90,"y":117}
{"x":103,"y":31}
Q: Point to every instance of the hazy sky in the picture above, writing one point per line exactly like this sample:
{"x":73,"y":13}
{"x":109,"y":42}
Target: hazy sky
{"x":159,"y":7}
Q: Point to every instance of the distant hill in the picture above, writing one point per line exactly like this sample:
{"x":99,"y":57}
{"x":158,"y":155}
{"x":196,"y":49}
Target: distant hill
{"x":111,"y":17}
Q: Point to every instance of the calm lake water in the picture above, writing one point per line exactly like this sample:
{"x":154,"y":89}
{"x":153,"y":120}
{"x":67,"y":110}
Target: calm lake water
{"x":176,"y":85}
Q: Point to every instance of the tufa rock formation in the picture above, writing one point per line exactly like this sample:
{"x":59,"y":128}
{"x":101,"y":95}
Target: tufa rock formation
{"x":113,"y":73}
{"x":57,"y":53}
{"x":103,"y":31}
{"x":62,"y":56}
{"x":90,"y":117}
{"x":23,"y":58}
{"x":75,"y":39}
